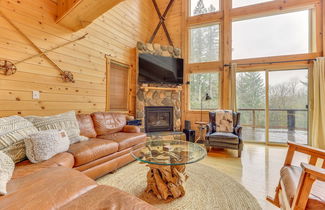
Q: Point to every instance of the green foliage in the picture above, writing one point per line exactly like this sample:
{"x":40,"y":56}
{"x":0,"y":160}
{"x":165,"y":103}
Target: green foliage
{"x":204,"y":40}
{"x":250,"y":90}
{"x":200,"y":84}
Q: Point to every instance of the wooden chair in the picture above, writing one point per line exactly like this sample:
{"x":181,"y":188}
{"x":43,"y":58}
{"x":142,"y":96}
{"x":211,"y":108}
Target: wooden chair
{"x":301,"y":187}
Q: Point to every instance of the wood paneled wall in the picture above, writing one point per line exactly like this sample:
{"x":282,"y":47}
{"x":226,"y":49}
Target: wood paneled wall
{"x":115,"y":34}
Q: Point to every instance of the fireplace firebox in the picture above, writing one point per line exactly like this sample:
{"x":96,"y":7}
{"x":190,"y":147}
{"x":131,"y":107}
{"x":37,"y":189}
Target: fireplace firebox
{"x":159,"y":118}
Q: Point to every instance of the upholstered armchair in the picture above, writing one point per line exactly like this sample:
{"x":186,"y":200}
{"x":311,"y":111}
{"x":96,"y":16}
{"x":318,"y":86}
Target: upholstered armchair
{"x":224,"y":131}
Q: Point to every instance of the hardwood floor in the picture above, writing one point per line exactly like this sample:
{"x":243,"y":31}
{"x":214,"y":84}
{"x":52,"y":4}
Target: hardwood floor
{"x":257,"y":170}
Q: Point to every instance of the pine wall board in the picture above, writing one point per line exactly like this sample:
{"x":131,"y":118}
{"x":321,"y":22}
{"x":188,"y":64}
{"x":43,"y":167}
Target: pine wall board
{"x":115,"y":34}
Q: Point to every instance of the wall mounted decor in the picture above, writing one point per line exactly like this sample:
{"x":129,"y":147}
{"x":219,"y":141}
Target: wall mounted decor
{"x":67,"y":76}
{"x":162,"y":18}
{"x":7,"y":68}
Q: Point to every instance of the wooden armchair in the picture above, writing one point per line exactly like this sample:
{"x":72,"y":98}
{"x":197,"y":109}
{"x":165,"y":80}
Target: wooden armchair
{"x":301,"y":187}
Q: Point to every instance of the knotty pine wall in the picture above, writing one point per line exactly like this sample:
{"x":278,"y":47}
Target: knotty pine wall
{"x":115,"y":33}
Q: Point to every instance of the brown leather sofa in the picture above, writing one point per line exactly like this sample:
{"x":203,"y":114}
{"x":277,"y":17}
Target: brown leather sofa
{"x":59,"y":187}
{"x":54,"y":184}
{"x":108,"y":149}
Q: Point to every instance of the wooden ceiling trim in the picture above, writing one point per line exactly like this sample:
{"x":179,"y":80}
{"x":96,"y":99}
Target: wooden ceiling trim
{"x":77,"y":14}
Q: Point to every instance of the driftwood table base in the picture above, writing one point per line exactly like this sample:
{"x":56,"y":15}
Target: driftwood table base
{"x":166,"y":182}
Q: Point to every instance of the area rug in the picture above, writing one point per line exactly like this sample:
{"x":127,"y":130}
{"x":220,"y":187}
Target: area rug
{"x":206,"y":188}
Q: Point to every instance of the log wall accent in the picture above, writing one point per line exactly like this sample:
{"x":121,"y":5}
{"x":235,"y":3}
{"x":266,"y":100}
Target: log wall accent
{"x":114,"y":34}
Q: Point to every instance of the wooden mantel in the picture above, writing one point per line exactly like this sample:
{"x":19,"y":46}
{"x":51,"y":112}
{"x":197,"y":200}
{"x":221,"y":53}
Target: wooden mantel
{"x":77,"y":14}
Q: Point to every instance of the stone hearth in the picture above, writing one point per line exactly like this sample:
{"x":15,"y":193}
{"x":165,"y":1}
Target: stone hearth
{"x":159,"y":98}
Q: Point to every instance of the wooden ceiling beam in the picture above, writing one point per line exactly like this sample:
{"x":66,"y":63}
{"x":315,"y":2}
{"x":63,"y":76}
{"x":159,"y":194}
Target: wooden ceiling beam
{"x":276,"y":6}
{"x":77,"y":14}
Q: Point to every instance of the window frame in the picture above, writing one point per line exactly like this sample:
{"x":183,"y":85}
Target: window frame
{"x":312,"y":34}
{"x":127,"y":67}
{"x":189,"y":10}
{"x":219,"y":91}
{"x":224,"y":17}
{"x":189,"y":42}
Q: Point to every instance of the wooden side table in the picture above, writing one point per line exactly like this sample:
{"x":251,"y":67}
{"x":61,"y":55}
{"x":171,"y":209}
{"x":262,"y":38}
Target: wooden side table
{"x":201,"y":126}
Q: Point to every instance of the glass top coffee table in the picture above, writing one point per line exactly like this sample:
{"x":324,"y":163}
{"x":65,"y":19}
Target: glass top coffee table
{"x":166,"y":160}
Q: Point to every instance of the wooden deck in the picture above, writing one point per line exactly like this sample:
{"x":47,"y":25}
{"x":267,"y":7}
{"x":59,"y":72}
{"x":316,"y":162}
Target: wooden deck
{"x":276,"y":135}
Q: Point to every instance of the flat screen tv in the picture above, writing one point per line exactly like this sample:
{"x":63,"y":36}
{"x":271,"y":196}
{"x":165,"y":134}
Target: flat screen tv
{"x":160,"y":69}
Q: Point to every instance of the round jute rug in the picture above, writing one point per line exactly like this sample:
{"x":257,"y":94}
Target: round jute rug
{"x":206,"y":188}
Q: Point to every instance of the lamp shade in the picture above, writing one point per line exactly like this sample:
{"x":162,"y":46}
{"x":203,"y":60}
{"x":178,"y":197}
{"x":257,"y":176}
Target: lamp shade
{"x":207,"y":97}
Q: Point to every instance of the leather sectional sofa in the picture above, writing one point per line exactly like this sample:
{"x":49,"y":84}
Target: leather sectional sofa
{"x":60,"y":182}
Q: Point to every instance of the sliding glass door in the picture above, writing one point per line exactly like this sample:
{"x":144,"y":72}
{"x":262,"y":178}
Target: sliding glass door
{"x":288,"y":106}
{"x":273,"y":105}
{"x":250,"y":88}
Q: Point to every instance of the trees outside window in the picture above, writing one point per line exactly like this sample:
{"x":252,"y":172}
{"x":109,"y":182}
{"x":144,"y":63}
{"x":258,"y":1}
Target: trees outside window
{"x":203,"y":83}
{"x":199,"y":7}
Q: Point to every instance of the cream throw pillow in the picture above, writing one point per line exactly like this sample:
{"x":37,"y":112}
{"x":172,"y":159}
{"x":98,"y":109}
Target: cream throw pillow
{"x":66,"y":121}
{"x":224,"y":121}
{"x":45,"y":144}
{"x":13,"y":131}
{"x":7,"y":167}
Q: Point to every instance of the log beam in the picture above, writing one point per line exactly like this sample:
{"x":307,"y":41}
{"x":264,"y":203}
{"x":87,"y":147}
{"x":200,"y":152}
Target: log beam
{"x":78,"y":14}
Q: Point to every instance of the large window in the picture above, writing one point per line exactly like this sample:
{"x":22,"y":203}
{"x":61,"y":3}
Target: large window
{"x":276,"y":35}
{"x":201,"y":84}
{"x":242,"y":3}
{"x":199,"y":7}
{"x":204,"y":44}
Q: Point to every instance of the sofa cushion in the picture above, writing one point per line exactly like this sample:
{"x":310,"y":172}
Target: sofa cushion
{"x":86,"y":125}
{"x":13,"y":131}
{"x":125,"y":140}
{"x":26,"y":167}
{"x":108,"y":198}
{"x":223,"y":137}
{"x":290,"y":176}
{"x":49,"y":188}
{"x":106,"y":123}
{"x":87,"y":151}
{"x":6,"y":169}
{"x":45,"y":144}
{"x":66,"y":121}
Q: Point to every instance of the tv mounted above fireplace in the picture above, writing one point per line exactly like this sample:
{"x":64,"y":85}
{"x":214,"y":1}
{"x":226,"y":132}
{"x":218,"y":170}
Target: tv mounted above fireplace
{"x":160,"y":69}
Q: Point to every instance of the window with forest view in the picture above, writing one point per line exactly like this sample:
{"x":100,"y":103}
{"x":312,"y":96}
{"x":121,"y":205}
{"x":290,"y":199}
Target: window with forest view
{"x":282,"y":34}
{"x":204,"y":44}
{"x":200,"y":84}
{"x":287,"y":105}
{"x":199,"y":7}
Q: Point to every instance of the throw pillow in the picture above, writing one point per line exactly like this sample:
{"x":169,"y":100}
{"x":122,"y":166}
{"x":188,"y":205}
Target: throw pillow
{"x":13,"y":131}
{"x":66,"y":121}
{"x":224,"y":121}
{"x":7,"y":167}
{"x":45,"y":144}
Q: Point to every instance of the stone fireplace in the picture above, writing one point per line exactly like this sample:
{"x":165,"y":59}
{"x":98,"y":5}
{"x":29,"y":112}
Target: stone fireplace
{"x":164,"y":100}
{"x":157,"y":104}
{"x":159,"y":118}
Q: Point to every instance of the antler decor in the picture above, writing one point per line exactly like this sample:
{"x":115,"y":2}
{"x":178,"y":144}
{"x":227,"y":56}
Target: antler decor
{"x":7,"y":67}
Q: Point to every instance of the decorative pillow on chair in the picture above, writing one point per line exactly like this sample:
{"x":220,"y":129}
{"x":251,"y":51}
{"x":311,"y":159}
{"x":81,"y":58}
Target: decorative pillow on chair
{"x":13,"y":131}
{"x":224,"y":121}
{"x":45,"y":144}
{"x":66,"y":121}
{"x":7,"y":167}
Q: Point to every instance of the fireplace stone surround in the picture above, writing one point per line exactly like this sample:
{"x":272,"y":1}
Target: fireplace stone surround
{"x":159,"y":97}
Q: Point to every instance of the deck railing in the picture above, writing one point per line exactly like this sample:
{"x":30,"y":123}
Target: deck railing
{"x":290,"y":115}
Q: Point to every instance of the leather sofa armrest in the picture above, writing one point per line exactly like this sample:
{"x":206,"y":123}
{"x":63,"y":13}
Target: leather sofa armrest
{"x":237,"y":130}
{"x":131,"y":129}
